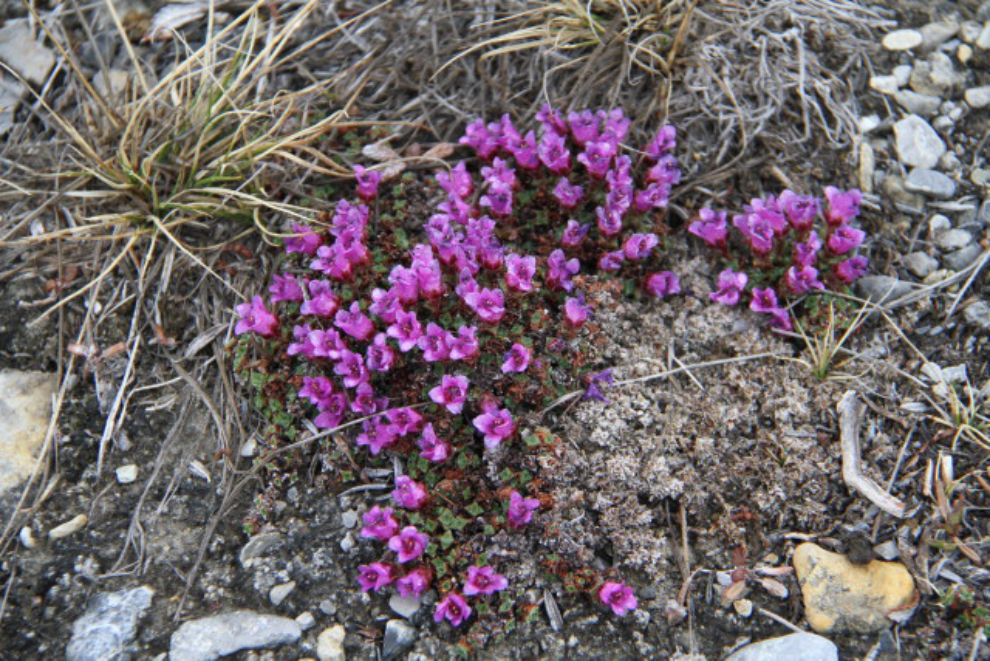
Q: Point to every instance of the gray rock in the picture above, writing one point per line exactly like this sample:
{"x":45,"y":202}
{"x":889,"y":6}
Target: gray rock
{"x":970,"y":31}
{"x":23,"y":53}
{"x":869,"y":123}
{"x":330,"y":643}
{"x":960,"y":259}
{"x":795,"y":647}
{"x":917,"y":143}
{"x":349,"y":518}
{"x":978,"y":97}
{"x":931,"y":183}
{"x":404,"y":606}
{"x":106,"y":630}
{"x":399,"y":637}
{"x":902,"y":74}
{"x":983,"y":217}
{"x":305,"y":620}
{"x":943,"y":123}
{"x":950,"y":162}
{"x":884,"y":84}
{"x":883,"y":288}
{"x":279,"y":593}
{"x":919,"y":104}
{"x":935,"y":76}
{"x":219,"y":635}
{"x":899,"y":40}
{"x":25,"y":411}
{"x":954,"y":239}
{"x":259,"y":545}
{"x":893,"y":187}
{"x":978,"y":314}
{"x":938,"y":225}
{"x":980,"y":176}
{"x":983,"y":39}
{"x":887,"y":551}
{"x":934,"y":35}
{"x":920,"y":264}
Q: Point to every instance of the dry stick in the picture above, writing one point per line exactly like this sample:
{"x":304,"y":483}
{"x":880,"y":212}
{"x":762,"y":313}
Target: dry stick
{"x":850,"y":415}
{"x":777,"y":618}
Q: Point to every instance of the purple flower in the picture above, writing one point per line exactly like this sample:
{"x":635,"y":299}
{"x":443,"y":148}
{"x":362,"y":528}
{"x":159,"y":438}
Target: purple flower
{"x":379,"y":356}
{"x":710,"y":227}
{"x":800,"y":210}
{"x":616,"y":123}
{"x":592,"y":392}
{"x":351,"y":367}
{"x":385,"y":304}
{"x":758,"y":230}
{"x":664,"y":142}
{"x":306,"y":243}
{"x":375,"y":576}
{"x":552,"y":151}
{"x":842,"y":206}
{"x":405,"y":284}
{"x":802,"y":279}
{"x":611,"y":261}
{"x":665,"y":172}
{"x":368,"y":181}
{"x":286,"y":288}
{"x":639,"y":246}
{"x":764,"y":300}
{"x":488,"y":304}
{"x":376,"y":436}
{"x":379,"y":524}
{"x":517,"y":359}
{"x":609,"y":220}
{"x":333,"y":413}
{"x":844,"y":239}
{"x":850,"y":270}
{"x":663,"y":284}
{"x":365,"y":402}
{"x":404,"y":419}
{"x":326,"y":344}
{"x":730,"y":287}
{"x":496,"y":425}
{"x":484,"y":580}
{"x":333,"y":261}
{"x":409,"y":544}
{"x":574,"y":234}
{"x":414,"y":583}
{"x":406,"y":330}
{"x":435,"y":343}
{"x":318,"y":390}
{"x":654,"y":196}
{"x":500,"y":174}
{"x":806,"y":253}
{"x":551,"y":119}
{"x":597,"y":157}
{"x":408,"y":493}
{"x":354,"y":322}
{"x":451,"y":393}
{"x":567,"y":194}
{"x":478,"y":137}
{"x":453,"y":608}
{"x":498,"y":198}
{"x":432,"y":448}
{"x":520,"y":510}
{"x":458,"y":182}
{"x":519,"y":272}
{"x":322,"y":302}
{"x":465,"y":345}
{"x":560,"y":270}
{"x":255,"y":319}
{"x":584,"y":126}
{"x":576,"y":312}
{"x":525,"y":152}
{"x":617,"y":596}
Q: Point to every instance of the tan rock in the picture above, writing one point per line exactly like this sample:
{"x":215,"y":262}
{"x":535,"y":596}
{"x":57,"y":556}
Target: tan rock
{"x":25,"y":409}
{"x":330,"y":643}
{"x":842,"y":597}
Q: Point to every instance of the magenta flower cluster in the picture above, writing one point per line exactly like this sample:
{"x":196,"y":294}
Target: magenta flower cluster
{"x":810,"y":242}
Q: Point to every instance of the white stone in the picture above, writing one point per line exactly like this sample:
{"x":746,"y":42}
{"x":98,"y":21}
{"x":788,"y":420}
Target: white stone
{"x":111,"y":84}
{"x":931,"y":183}
{"x":920,"y":104}
{"x":23,"y":53}
{"x":964,"y":53}
{"x":917,"y":143}
{"x":983,"y":39}
{"x":25,"y":411}
{"x":126,"y":474}
{"x":869,"y":123}
{"x":305,"y":620}
{"x":330,"y":643}
{"x":934,"y":35}
{"x":938,"y":225}
{"x":69,"y":527}
{"x":884,"y":84}
{"x":902,"y":74}
{"x":978,"y":97}
{"x":935,"y":76}
{"x":109,"y":625}
{"x":404,"y":606}
{"x":211,"y":637}
{"x":920,"y":264}
{"x":970,"y":31}
{"x":899,"y":40}
{"x":954,"y":239}
{"x":978,"y":314}
{"x":27,"y":537}
{"x":279,"y":593}
{"x":793,"y":647}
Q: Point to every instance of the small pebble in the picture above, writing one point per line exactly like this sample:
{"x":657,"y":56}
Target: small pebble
{"x":954,"y":239}
{"x":917,"y":143}
{"x":960,"y":259}
{"x":937,"y":225}
{"x":127,"y":474}
{"x":27,"y":538}
{"x":330,"y":643}
{"x":884,"y":84}
{"x":744,"y":607}
{"x":883,"y":287}
{"x":983,"y":40}
{"x":978,"y":314}
{"x":949,"y":162}
{"x":980,"y":176}
{"x":279,"y":593}
{"x":869,"y":123}
{"x":399,"y":637}
{"x":899,"y":40}
{"x":931,"y":183}
{"x":258,"y":546}
{"x":920,"y":264}
{"x":347,"y":544}
{"x":793,"y":647}
{"x":67,"y":528}
{"x":349,"y":518}
{"x":943,"y":123}
{"x":327,"y":607}
{"x":220,"y":635}
{"x":978,"y":97}
{"x":934,"y":35}
{"x":305,"y":620}
{"x":969,"y":31}
{"x":887,"y":551}
{"x":902,"y":74}
{"x":404,"y":606}
{"x":919,"y":104}
{"x":964,"y":53}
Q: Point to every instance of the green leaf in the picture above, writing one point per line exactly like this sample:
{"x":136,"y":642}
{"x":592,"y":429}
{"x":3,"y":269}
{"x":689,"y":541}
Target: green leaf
{"x":505,"y":475}
{"x":450,"y":521}
{"x":446,"y":540}
{"x":401,"y":238}
{"x":489,"y":530}
{"x":531,"y":440}
{"x":440,"y":567}
{"x":474,"y":509}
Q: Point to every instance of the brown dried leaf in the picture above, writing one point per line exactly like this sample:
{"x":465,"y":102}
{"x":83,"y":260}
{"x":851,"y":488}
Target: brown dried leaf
{"x":172,"y":17}
{"x":380,"y":151}
{"x":774,"y":588}
{"x":440,"y":150}
{"x":735,"y":591}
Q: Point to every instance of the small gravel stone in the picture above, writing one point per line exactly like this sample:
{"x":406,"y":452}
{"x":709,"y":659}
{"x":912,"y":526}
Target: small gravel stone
{"x":920,"y":264}
{"x":978,"y":97}
{"x":899,"y":40}
{"x":934,"y":35}
{"x":399,"y":637}
{"x":347,"y":544}
{"x":869,"y":123}
{"x":883,"y":287}
{"x":980,"y":176}
{"x":917,"y":143}
{"x":327,"y":607}
{"x":964,"y":53}
{"x":887,"y":551}
{"x":937,"y":225}
{"x":983,"y":217}
{"x":279,"y":593}
{"x":960,"y":259}
{"x":106,"y":630}
{"x":969,"y":31}
{"x":884,"y":84}
{"x":68,"y":528}
{"x":211,"y":637}
{"x":794,"y":647}
{"x":404,"y":606}
{"x":935,"y":76}
{"x":27,"y":537}
{"x":950,"y":162}
{"x":258,"y":546}
{"x":330,"y":643}
{"x":919,"y":104}
{"x":305,"y":620}
{"x":349,"y":518}
{"x":931,"y":183}
{"x":954,"y":239}
{"x":126,"y":474}
{"x":978,"y":314}
{"x":902,"y":74}
{"x":743,"y":607}
{"x":983,"y":39}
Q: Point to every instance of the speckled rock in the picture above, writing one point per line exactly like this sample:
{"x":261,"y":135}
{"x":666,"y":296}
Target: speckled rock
{"x":795,"y":647}
{"x":936,"y":76}
{"x":842,"y":597}
{"x":106,"y":630}
{"x":211,"y":637}
{"x":25,"y":409}
{"x":917,"y":143}
{"x":978,"y":314}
